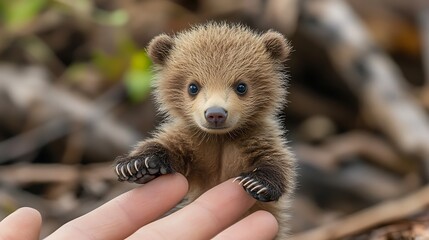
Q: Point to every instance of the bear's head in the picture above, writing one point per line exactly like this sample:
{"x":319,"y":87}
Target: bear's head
{"x":218,"y":77}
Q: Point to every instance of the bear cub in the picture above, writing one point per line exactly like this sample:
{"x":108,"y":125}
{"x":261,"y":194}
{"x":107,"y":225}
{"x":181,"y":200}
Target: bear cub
{"x":221,"y":87}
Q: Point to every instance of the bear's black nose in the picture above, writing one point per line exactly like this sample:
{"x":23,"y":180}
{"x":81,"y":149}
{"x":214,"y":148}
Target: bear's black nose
{"x":216,"y":115}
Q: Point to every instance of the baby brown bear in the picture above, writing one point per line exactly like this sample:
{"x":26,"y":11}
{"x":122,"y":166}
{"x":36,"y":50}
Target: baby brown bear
{"x":221,"y":88}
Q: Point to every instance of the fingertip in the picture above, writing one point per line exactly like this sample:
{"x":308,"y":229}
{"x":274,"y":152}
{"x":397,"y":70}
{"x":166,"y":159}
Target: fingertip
{"x":32,"y":219}
{"x":268,"y":221}
{"x":23,"y":218}
{"x":29,"y":215}
{"x":32,"y":213}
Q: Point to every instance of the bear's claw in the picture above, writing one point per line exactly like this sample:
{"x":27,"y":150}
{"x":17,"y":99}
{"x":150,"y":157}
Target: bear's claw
{"x":256,"y":187}
{"x":140,"y":169}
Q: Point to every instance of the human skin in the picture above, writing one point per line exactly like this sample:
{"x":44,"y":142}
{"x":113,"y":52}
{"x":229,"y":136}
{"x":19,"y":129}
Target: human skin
{"x":134,"y":214}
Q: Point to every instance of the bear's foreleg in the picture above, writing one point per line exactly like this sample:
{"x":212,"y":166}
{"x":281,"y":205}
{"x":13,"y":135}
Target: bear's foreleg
{"x":271,"y":169}
{"x":153,"y":158}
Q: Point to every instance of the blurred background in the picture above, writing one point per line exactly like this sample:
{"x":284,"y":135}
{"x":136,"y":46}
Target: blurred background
{"x":75,"y":93}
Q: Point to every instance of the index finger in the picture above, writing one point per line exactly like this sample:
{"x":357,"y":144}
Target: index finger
{"x":214,"y":211}
{"x":123,"y":215}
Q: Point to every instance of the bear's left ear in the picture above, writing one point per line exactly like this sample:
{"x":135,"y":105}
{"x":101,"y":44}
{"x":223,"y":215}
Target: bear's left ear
{"x":159,"y":48}
{"x":276,"y":44}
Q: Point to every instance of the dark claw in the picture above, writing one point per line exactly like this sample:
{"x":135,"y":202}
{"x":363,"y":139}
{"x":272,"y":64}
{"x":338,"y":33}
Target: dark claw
{"x":141,"y":169}
{"x":257,"y":187}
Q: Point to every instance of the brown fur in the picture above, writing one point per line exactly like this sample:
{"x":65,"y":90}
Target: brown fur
{"x":217,"y":57}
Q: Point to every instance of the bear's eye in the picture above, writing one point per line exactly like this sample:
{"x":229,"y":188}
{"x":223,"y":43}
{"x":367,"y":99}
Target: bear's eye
{"x":241,"y":88}
{"x":193,"y":89}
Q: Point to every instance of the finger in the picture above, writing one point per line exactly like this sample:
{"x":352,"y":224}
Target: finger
{"x":122,"y":216}
{"x":260,"y":225}
{"x":214,"y":211}
{"x":23,"y":224}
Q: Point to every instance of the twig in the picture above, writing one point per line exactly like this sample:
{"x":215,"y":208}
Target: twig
{"x":335,"y":150}
{"x":54,"y":173}
{"x":365,"y":145}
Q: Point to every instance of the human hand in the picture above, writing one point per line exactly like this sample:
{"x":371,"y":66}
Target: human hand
{"x":132,"y":215}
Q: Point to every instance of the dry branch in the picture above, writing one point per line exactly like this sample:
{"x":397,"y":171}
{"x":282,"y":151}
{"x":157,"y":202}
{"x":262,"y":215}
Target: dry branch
{"x":379,"y":214}
{"x":29,"y":89}
{"x":21,"y":174}
{"x":368,"y":146}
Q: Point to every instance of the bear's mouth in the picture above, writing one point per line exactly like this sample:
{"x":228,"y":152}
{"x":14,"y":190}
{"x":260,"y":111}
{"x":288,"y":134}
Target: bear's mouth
{"x":215,"y":129}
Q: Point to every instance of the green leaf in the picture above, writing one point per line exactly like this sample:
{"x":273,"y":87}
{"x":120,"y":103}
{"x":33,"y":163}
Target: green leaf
{"x":18,"y":13}
{"x":138,"y":84}
{"x":111,"y":66}
{"x":140,"y":60}
{"x":114,"y":64}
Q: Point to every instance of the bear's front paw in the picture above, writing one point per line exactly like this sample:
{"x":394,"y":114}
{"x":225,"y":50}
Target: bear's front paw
{"x":258,"y":187}
{"x":141,"y":169}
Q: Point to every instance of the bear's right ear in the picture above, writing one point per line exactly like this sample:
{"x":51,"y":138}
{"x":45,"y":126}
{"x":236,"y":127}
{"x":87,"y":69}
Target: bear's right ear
{"x":159,"y":48}
{"x":277,"y":45}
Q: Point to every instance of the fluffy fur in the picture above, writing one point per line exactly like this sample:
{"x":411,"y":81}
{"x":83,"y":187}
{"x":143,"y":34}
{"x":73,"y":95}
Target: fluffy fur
{"x":248,"y":145}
